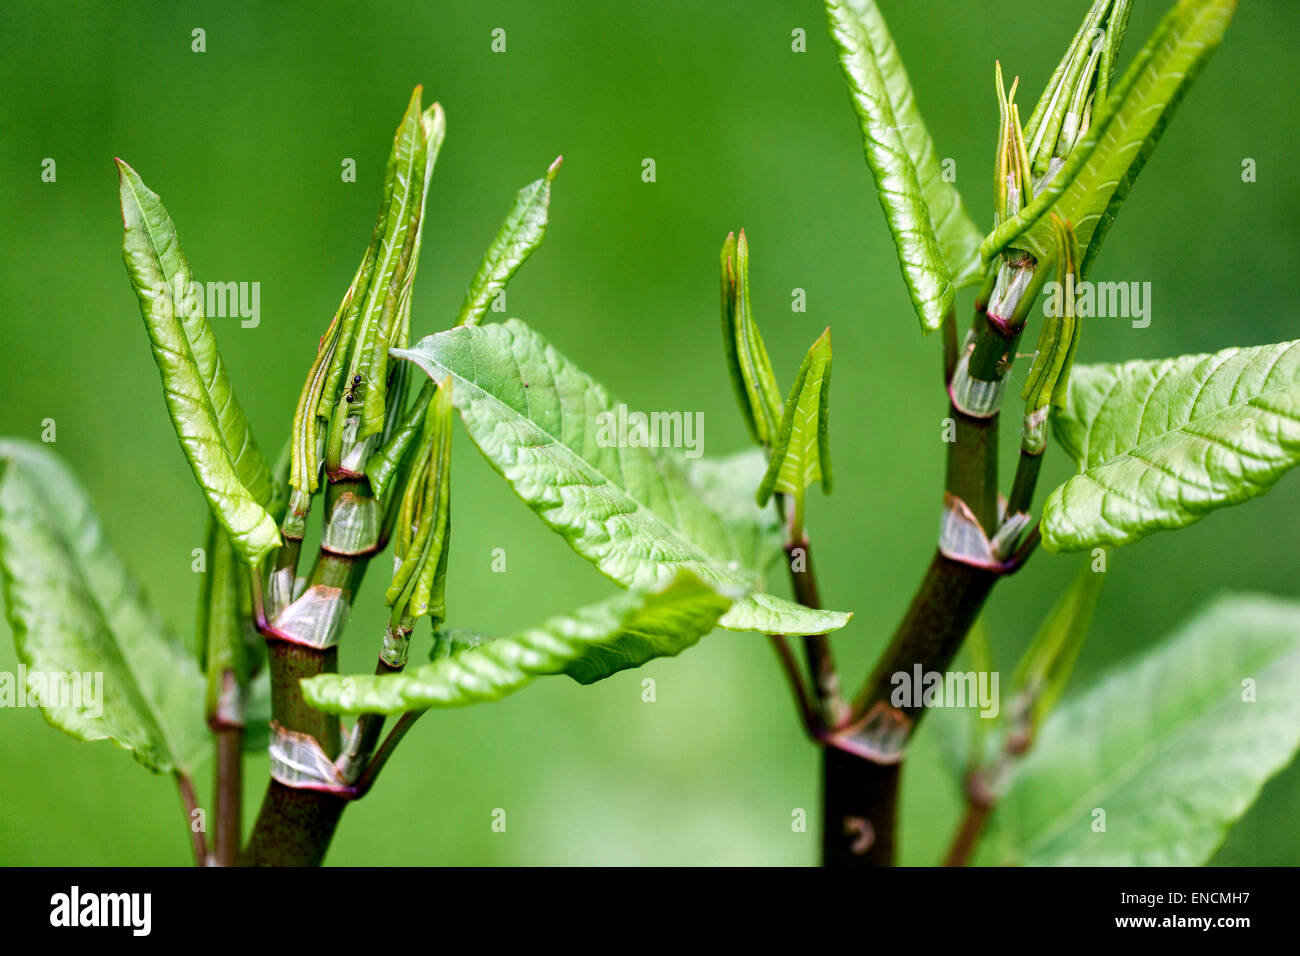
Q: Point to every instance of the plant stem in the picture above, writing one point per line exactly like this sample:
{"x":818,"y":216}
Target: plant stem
{"x":1026,"y":480}
{"x":371,"y":773}
{"x":807,"y":712}
{"x":190,"y":801}
{"x":859,"y":810}
{"x":967,"y":835}
{"x":861,"y":794}
{"x":295,"y":826}
{"x":817,"y":647}
{"x":229,"y":795}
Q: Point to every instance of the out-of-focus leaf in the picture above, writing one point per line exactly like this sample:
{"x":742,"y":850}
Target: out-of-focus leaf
{"x":727,"y":486}
{"x":1161,"y":444}
{"x":210,"y":425}
{"x":518,"y":238}
{"x":1047,"y":662}
{"x":554,"y":433}
{"x":801,"y":453}
{"x":599,"y":640}
{"x":1173,"y":746}
{"x":1101,"y":169}
{"x":75,"y":610}
{"x":938,"y":244}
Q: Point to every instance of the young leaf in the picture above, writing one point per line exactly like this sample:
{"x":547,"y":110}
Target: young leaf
{"x":76,"y":610}
{"x":747,"y":359}
{"x":553,"y":432}
{"x":801,"y":453}
{"x":1101,"y":168}
{"x":518,"y":238}
{"x":387,"y":459}
{"x":378,"y":304}
{"x":938,"y":244}
{"x":1173,"y":747}
{"x":423,"y":523}
{"x":1161,"y":444}
{"x":599,"y":640}
{"x":209,"y":422}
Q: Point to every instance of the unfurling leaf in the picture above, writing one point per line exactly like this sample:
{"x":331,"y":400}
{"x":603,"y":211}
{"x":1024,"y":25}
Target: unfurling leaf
{"x":599,"y":640}
{"x":1078,"y":87}
{"x":1161,"y":444}
{"x":209,"y":422}
{"x":1102,"y":166}
{"x":376,"y":311}
{"x":100,"y":661}
{"x":938,"y":244}
{"x":1058,"y":341}
{"x":1171,"y":746}
{"x":801,"y":453}
{"x":424,"y":522}
{"x":751,"y":369}
{"x":387,"y":460}
{"x":518,"y":238}
{"x":553,"y":433}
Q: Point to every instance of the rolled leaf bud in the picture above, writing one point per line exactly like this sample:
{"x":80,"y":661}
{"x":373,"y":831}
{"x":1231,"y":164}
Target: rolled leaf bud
{"x":751,"y":369}
{"x":1059,"y":339}
{"x":1078,"y":87}
{"x":356,"y":388}
{"x":422,"y":533}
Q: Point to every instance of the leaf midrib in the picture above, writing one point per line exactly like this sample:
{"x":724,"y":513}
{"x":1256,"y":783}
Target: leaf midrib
{"x":717,"y":565}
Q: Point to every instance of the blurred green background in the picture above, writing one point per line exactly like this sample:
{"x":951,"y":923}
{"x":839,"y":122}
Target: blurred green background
{"x":244,"y":143}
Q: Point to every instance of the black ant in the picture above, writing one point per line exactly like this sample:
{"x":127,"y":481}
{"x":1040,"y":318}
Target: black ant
{"x":351,"y":394}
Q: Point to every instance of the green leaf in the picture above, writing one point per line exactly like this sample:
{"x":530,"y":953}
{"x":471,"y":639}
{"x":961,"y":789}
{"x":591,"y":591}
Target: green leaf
{"x":75,"y":609}
{"x":420,"y":543}
{"x":375,"y":314}
{"x":747,"y":358}
{"x":727,"y":486}
{"x":802,"y":452}
{"x":938,"y":244}
{"x":386,"y":462}
{"x":1173,"y":746}
{"x":552,"y":431}
{"x":518,"y":238}
{"x":1161,"y":444}
{"x":599,"y":640}
{"x":209,"y":422}
{"x":1101,"y":169}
